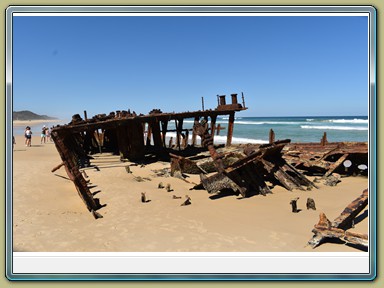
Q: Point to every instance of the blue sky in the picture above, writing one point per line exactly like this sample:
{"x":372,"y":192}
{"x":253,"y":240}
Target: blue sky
{"x":285,"y":66}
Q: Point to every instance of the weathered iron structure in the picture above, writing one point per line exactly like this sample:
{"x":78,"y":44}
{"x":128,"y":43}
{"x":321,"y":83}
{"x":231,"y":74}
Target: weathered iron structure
{"x":339,"y":229}
{"x":247,"y":170}
{"x":123,"y":133}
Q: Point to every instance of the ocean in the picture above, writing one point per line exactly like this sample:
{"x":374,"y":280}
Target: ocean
{"x":298,"y":129}
{"x":256,"y":129}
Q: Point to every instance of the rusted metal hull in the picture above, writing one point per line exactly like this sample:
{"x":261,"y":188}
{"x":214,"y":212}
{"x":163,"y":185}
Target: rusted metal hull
{"x":123,"y":133}
{"x":324,"y":159}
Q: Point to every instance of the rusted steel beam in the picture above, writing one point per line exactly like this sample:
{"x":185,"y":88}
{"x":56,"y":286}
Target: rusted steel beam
{"x":201,"y":129}
{"x":335,"y":233}
{"x":344,"y":221}
{"x":164,"y":126}
{"x":271,"y":136}
{"x":74,"y":174}
{"x":157,"y":142}
{"x":231,"y":122}
{"x":324,"y":140}
{"x":196,"y":121}
{"x":186,"y":139}
{"x":336,"y":165}
{"x":149,"y":135}
{"x":316,"y":158}
{"x":122,"y":141}
{"x":326,"y":229}
{"x":218,"y":129}
{"x":213,"y":126}
{"x":179,"y":128}
{"x":136,"y":141}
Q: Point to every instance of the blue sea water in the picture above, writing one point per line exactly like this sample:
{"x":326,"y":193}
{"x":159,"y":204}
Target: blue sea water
{"x":256,"y":129}
{"x":298,"y":129}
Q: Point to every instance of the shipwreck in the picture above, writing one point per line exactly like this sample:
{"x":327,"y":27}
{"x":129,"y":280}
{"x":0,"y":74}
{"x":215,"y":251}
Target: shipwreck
{"x":244,"y":169}
{"x":123,"y":133}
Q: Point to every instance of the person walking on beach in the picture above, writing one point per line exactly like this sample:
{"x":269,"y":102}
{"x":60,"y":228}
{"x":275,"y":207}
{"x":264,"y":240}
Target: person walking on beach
{"x":43,"y":134}
{"x":28,"y":136}
{"x":13,"y":142}
{"x":48,"y":135}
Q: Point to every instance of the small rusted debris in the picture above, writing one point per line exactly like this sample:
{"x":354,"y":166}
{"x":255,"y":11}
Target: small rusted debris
{"x":332,"y":180}
{"x":58,"y":167}
{"x":311,"y":204}
{"x":161,"y":185}
{"x":128,"y":169}
{"x":187,"y":201}
{"x":293,"y":203}
{"x":168,"y":188}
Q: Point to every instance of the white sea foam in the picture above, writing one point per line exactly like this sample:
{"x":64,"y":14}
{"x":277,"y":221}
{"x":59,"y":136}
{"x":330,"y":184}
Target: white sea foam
{"x":238,"y":140}
{"x":333,"y":127}
{"x":219,"y":139}
{"x":226,"y":118}
{"x":355,"y":121}
{"x":265,"y":122}
{"x":221,"y":121}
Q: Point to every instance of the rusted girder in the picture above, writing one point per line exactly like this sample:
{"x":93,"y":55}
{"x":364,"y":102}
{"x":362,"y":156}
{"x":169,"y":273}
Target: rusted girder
{"x":70,"y":160}
{"x":326,"y":229}
{"x":201,"y":129}
{"x":122,"y":132}
{"x":264,"y":162}
{"x":326,"y":157}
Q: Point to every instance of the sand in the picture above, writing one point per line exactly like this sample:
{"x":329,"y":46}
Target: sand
{"x":49,"y":216}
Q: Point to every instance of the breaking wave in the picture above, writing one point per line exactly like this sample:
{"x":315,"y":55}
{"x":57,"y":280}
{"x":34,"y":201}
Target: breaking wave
{"x":360,"y":121}
{"x":218,"y":139}
{"x":333,"y":127}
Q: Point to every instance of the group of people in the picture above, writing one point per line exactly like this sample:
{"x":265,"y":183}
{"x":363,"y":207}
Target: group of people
{"x":45,"y":136}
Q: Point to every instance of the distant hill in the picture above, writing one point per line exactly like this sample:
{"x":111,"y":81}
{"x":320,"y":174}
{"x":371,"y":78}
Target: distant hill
{"x":28,"y":115}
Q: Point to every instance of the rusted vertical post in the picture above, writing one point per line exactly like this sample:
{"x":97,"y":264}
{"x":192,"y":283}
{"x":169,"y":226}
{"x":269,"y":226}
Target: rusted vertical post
{"x":324,"y":140}
{"x":186,"y":138}
{"x":242,"y":96}
{"x":234,"y":98}
{"x":149,"y":134}
{"x":218,"y":128}
{"x":164,"y":127}
{"x":222,"y":100}
{"x":231,"y":122}
{"x":202,"y":102}
{"x":122,"y":141}
{"x":156,"y":133}
{"x":179,"y":128}
{"x":85,"y":115}
{"x":136,"y":140}
{"x":271,"y":136}
{"x":213,"y":126}
{"x":193,"y":132}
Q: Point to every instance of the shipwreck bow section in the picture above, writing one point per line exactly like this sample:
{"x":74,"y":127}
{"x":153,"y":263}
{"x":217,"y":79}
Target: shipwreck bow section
{"x":131,"y":136}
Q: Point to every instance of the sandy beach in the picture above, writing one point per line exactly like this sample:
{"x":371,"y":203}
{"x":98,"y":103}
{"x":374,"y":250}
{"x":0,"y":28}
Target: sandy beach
{"x":49,"y":216}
